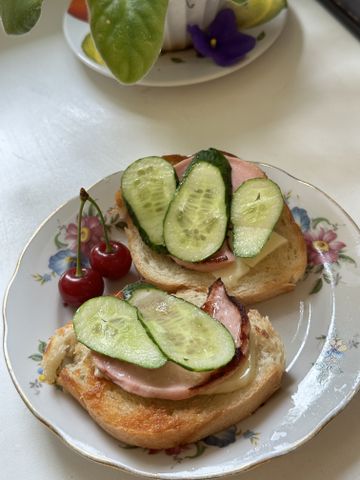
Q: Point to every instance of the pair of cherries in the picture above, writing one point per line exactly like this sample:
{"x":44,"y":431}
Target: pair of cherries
{"x":108,"y":259}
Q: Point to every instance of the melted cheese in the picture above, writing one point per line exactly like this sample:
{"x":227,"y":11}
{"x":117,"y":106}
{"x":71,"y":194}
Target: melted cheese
{"x":231,"y":275}
{"x":240,"y":378}
{"x":275,"y":241}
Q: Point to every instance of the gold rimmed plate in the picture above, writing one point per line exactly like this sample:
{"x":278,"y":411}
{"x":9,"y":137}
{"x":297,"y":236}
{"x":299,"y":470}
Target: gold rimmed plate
{"x":318,"y":323}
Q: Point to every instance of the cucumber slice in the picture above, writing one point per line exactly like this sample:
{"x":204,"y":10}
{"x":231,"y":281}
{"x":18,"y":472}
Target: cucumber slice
{"x":111,"y":326}
{"x":196,"y":222}
{"x":256,"y":207}
{"x":185,"y":334}
{"x":148,"y":185}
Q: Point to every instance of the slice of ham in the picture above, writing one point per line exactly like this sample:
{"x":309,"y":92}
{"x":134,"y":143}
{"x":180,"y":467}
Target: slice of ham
{"x":240,"y":172}
{"x":230,"y":313}
{"x":220,"y":259}
{"x":171,"y":381}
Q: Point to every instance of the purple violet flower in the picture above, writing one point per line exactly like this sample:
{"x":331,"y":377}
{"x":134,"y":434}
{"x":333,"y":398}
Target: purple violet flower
{"x":222,"y":41}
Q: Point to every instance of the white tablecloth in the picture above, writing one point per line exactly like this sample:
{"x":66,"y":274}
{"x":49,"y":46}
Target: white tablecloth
{"x":62,"y":126}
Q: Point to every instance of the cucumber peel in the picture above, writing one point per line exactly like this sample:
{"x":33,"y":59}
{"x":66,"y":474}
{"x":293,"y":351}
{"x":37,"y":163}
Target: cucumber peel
{"x":197,"y":218}
{"x":151,"y":327}
{"x":185,"y":334}
{"x":111,"y":326}
{"x":148,"y":185}
{"x":255,"y":209}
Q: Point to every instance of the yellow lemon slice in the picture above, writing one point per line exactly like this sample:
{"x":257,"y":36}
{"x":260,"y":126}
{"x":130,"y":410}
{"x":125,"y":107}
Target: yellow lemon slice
{"x":251,"y":13}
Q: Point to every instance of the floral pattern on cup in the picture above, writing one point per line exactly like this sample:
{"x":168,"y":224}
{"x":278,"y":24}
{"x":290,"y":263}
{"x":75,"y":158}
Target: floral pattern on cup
{"x":66,"y":238}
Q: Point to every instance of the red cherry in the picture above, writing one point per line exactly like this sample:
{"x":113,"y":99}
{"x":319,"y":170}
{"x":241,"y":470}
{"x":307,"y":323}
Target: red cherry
{"x":114,"y":264}
{"x":75,"y":290}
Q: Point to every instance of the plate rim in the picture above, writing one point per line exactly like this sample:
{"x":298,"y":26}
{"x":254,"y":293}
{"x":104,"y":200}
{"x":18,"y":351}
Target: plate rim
{"x":147,"y":82}
{"x":176,"y":475}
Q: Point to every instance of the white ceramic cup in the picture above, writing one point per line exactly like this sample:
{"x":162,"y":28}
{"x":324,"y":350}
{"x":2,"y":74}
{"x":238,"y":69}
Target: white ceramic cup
{"x":182,"y":13}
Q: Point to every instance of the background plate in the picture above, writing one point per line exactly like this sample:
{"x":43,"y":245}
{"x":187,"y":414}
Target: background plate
{"x":178,"y":68}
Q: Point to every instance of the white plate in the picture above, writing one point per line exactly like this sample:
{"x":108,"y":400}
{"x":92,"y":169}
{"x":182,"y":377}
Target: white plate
{"x":321,"y":332}
{"x":178,"y":68}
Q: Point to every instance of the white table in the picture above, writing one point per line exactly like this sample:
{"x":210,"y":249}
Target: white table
{"x":62,"y":126}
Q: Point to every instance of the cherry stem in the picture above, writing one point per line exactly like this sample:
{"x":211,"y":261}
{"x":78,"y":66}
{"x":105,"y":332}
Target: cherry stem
{"x":78,"y":272}
{"x":84,"y":195}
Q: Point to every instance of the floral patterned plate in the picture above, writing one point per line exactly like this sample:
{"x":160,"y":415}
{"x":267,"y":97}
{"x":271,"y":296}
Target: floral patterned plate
{"x":178,"y":68}
{"x":318,"y":323}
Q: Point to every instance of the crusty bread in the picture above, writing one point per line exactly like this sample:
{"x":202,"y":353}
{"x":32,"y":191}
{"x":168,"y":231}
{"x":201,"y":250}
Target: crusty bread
{"x":278,"y":273}
{"x":154,"y":423}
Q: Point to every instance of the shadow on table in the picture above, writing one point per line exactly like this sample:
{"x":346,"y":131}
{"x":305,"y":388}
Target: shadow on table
{"x":252,"y":96}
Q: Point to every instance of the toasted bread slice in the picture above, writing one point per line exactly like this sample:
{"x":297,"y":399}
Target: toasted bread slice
{"x":275,"y":274}
{"x":153,"y":423}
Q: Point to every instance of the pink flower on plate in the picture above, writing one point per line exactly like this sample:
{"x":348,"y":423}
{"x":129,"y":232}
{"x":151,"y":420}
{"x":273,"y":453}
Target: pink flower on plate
{"x":91,"y":234}
{"x":323,"y":247}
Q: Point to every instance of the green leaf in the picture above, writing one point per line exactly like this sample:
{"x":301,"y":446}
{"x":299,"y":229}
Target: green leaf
{"x":37,"y":357}
{"x":39,"y":278}
{"x":125,"y":446}
{"x":19,"y":16}
{"x":317,"y":287}
{"x":58,"y":243}
{"x":318,"y":269}
{"x":329,"y":278}
{"x":128,"y":35}
{"x":346,"y":258}
{"x":287,"y":196}
{"x":316,"y":221}
{"x":200,"y":449}
{"x":42,"y":346}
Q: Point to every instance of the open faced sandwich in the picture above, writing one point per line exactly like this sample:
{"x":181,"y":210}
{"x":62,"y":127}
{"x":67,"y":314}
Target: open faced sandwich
{"x":177,"y":357}
{"x":194,"y":219}
{"x":155,"y":370}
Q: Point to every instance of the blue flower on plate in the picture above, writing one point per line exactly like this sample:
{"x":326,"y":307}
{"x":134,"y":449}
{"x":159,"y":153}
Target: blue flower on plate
{"x":222,"y":439}
{"x":46,"y":277}
{"x":301,"y":217}
{"x":222,"y":40}
{"x":62,"y":261}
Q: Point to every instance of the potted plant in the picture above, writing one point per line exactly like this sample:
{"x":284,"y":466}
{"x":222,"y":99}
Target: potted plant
{"x":129,"y":35}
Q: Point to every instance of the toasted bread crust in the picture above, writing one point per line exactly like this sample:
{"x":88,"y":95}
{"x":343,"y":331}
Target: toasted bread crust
{"x":154,"y":423}
{"x":278,"y":273}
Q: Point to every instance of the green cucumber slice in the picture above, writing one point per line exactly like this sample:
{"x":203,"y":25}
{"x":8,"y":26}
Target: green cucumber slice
{"x":197,"y":219}
{"x":111,"y":326}
{"x":148,"y":186}
{"x":256,"y":207}
{"x":185,"y":334}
